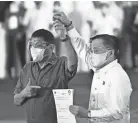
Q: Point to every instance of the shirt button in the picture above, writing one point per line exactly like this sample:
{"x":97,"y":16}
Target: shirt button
{"x":93,"y":100}
{"x":103,"y":82}
{"x":95,"y":88}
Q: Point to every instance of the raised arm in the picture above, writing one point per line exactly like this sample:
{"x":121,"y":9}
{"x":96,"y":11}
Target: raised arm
{"x":77,"y":41}
{"x":72,"y":58}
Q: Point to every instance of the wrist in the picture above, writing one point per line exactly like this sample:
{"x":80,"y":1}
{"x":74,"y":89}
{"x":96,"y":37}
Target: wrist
{"x":63,"y":37}
{"x":66,"y":38}
{"x":69,"y":26}
{"x":69,"y":23}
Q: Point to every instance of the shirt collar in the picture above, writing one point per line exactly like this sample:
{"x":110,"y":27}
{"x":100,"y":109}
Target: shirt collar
{"x":107,"y":67}
{"x":53,"y":59}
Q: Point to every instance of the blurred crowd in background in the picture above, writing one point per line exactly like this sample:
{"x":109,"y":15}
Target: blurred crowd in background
{"x":19,"y":19}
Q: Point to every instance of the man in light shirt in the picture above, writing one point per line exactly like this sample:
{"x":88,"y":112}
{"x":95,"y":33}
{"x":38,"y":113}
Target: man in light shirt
{"x":111,"y":87}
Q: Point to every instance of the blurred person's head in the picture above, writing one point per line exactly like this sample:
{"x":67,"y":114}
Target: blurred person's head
{"x":105,"y":9}
{"x":119,"y":3}
{"x":41,"y":45}
{"x":14,"y":7}
{"x":38,"y":4}
{"x":57,"y":6}
{"x":103,"y":49}
{"x":127,"y":3}
{"x":22,"y":4}
{"x":97,"y":4}
{"x":74,"y":5}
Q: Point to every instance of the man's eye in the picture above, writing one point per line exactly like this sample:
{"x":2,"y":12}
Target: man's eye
{"x":96,"y":51}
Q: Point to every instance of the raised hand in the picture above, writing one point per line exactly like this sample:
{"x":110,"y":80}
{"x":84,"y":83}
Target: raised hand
{"x":29,"y":90}
{"x":62,"y":18}
{"x":60,"y":29}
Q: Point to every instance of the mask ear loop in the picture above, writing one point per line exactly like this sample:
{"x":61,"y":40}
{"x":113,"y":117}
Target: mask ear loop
{"x":46,"y":49}
{"x":107,"y":54}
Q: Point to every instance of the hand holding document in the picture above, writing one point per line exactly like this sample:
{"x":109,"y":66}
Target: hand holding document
{"x":63,"y":99}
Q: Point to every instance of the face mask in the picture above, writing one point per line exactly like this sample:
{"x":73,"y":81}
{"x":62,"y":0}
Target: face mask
{"x":97,"y":60}
{"x":37,"y":54}
{"x":39,"y":49}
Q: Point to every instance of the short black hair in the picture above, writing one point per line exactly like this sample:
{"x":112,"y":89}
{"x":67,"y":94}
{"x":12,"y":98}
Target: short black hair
{"x":56,"y":3}
{"x":110,"y":41}
{"x":45,"y":34}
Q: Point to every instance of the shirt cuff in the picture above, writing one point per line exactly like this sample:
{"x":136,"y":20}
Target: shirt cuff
{"x":99,"y":113}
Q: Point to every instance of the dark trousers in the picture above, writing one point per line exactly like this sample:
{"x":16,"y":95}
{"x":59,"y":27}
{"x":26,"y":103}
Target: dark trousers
{"x":10,"y":50}
{"x":21,"y":46}
{"x":134,"y":52}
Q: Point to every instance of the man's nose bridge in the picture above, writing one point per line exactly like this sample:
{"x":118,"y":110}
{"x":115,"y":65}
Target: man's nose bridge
{"x":33,"y":50}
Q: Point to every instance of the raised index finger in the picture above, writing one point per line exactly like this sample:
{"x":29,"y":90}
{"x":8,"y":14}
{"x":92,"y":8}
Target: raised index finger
{"x":35,"y":86}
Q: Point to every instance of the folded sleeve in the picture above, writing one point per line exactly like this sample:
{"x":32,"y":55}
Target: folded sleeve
{"x":78,"y":43}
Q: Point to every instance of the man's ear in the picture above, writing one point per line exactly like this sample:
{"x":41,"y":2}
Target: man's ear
{"x":110,"y":54}
{"x":52,"y":47}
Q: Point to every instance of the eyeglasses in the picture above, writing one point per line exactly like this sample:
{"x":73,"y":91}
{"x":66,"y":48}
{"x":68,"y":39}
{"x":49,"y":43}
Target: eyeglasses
{"x":37,"y":44}
{"x":97,"y":50}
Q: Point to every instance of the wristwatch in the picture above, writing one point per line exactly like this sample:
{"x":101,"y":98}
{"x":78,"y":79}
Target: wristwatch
{"x":69,"y":26}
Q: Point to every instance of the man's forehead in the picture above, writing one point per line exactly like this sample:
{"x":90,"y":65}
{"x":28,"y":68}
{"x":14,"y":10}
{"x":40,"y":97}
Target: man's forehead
{"x":98,"y":43}
{"x":36,"y":38}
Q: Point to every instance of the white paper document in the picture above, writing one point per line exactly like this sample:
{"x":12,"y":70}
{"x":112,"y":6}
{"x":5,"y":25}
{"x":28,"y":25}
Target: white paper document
{"x":63,"y":99}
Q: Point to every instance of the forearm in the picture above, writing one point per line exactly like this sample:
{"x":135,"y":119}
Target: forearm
{"x":105,"y":115}
{"x":70,"y":54}
{"x":18,"y":99}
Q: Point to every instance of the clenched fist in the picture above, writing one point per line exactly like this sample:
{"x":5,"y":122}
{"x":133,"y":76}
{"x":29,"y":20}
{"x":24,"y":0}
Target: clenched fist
{"x":79,"y":111}
{"x":60,"y":29}
{"x":62,"y":18}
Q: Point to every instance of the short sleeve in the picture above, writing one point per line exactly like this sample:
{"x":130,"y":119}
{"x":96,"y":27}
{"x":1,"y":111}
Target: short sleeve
{"x":68,"y":74}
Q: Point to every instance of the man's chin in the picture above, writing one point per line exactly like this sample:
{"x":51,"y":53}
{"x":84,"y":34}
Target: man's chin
{"x":96,"y":66}
{"x":36,"y":60}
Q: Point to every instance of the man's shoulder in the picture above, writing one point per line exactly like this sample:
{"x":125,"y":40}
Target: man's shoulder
{"x":62,"y":59}
{"x":118,"y":73}
{"x":120,"y":78}
{"x":27,"y":66}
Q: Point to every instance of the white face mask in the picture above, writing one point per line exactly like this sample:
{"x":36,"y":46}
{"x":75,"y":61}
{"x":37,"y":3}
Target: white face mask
{"x":37,"y":54}
{"x":97,"y":60}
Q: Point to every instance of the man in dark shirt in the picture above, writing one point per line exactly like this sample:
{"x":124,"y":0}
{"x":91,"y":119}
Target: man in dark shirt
{"x":44,"y":73}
